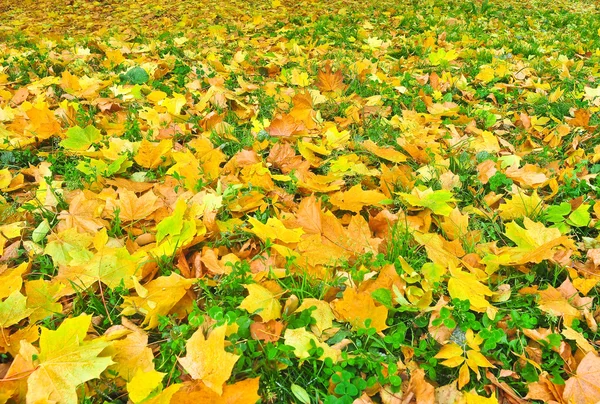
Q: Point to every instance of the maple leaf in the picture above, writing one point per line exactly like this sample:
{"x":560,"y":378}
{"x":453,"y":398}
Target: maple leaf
{"x":111,"y":266}
{"x":175,"y":231}
{"x":131,"y":208}
{"x":521,"y":205}
{"x":68,"y":245}
{"x":309,"y":215}
{"x":455,"y":225}
{"x":437,"y":201}
{"x":11,"y":278}
{"x":303,"y":341}
{"x":274,"y":229}
{"x":156,"y":298}
{"x":465,"y":286}
{"x":131,"y":354}
{"x":355,"y":199}
{"x":284,"y":125}
{"x":423,"y":391}
{"x":261,"y":301}
{"x":13,"y":309}
{"x":358,"y":309}
{"x":80,"y":139}
{"x":207,"y":360}
{"x":553,"y":302}
{"x":153,"y":155}
{"x":65,"y":361}
{"x":242,"y":392}
{"x":327,"y":81}
{"x":42,"y":298}
{"x":83,"y":214}
{"x":268,"y":331}
{"x":386,"y":153}
{"x":143,"y":383}
{"x":321,"y":312}
{"x":584,"y":386}
{"x":42,"y":121}
{"x":474,"y":398}
{"x":535,"y":242}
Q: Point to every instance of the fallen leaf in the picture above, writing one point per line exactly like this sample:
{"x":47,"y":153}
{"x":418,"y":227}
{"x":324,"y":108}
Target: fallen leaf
{"x":584,"y":386}
{"x":358,"y":309}
{"x":303,"y":341}
{"x":207,"y":360}
{"x":261,"y":301}
{"x":65,"y":361}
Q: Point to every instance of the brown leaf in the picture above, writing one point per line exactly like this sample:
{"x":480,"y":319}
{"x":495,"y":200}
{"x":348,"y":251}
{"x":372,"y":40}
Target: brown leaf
{"x":269,"y":331}
{"x":422,"y":390}
{"x":309,"y":215}
{"x":284,"y":125}
{"x":357,"y":308}
{"x":584,"y":386}
{"x":327,"y":81}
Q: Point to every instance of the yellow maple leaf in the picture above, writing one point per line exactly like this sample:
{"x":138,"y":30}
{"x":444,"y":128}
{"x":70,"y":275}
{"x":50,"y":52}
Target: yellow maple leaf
{"x":144,"y":383}
{"x":535,"y":242}
{"x":474,"y":398}
{"x":65,"y":361}
{"x":207,"y":360}
{"x":131,"y":354}
{"x":386,"y":153}
{"x":302,"y":341}
{"x":465,"y":286}
{"x":42,"y":298}
{"x":521,"y":205}
{"x":132,"y":208}
{"x":261,"y":301}
{"x":355,"y":199}
{"x":553,"y":302}
{"x":153,"y":155}
{"x":156,"y":298}
{"x":274,"y":229}
{"x":13,"y":309}
{"x":358,"y":309}
{"x":321,"y":313}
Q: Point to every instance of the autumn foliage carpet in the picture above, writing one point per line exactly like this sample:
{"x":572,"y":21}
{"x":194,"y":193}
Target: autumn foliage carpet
{"x":299,"y":201}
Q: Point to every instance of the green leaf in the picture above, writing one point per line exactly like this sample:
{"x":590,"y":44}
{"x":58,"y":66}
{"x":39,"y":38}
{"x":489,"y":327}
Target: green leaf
{"x":173,"y":224}
{"x":433,"y":272}
{"x":40,"y":231}
{"x":580,"y":216}
{"x":137,"y":75}
{"x":383,"y":296}
{"x":80,"y":139}
{"x":557,"y":214}
{"x":300,"y":394}
{"x":437,"y":201}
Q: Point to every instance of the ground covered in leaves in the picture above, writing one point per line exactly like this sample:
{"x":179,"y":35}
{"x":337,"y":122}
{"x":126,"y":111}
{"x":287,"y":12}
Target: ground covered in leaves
{"x":299,"y":201}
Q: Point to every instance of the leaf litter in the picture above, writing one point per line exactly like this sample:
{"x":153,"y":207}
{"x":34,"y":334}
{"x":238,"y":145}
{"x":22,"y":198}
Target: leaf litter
{"x":337,"y":202}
